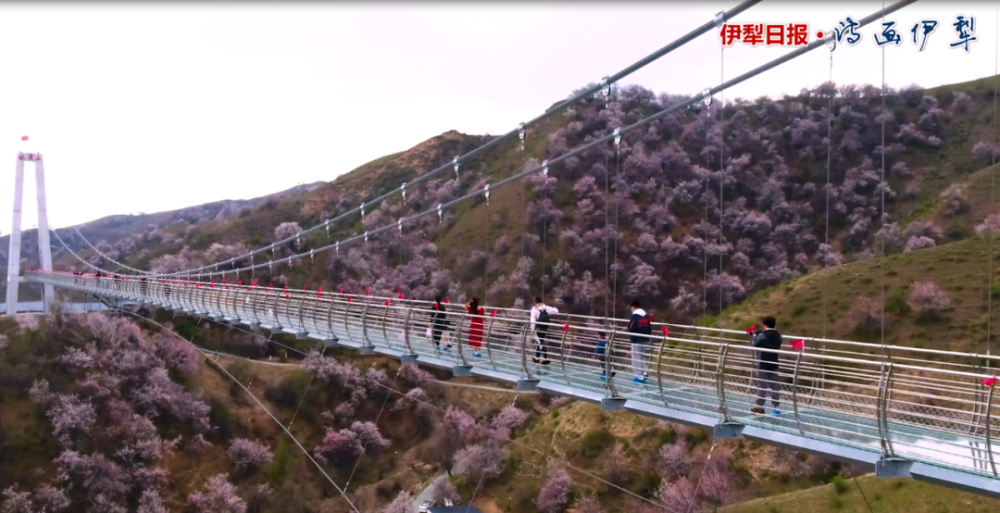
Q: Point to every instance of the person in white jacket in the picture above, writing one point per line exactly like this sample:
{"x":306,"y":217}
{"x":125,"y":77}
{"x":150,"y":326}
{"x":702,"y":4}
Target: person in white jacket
{"x":540,"y":317}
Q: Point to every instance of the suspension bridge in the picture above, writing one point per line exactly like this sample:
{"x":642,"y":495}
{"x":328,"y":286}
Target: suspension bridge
{"x":903,"y":411}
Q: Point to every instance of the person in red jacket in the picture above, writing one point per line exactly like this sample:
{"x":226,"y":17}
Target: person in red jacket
{"x":475,"y":326}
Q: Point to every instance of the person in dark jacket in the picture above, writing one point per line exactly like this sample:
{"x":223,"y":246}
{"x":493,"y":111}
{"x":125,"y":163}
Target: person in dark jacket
{"x":766,"y":374}
{"x":439,"y":323}
{"x":639,"y":328}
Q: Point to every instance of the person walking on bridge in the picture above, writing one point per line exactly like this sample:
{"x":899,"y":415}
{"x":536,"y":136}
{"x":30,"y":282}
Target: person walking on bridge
{"x":766,"y":374}
{"x":477,"y":314}
{"x":639,"y":328}
{"x":439,"y":323}
{"x":540,"y":319}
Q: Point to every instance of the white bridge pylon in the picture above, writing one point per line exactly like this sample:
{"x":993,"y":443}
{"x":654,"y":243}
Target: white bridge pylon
{"x":44,"y":249}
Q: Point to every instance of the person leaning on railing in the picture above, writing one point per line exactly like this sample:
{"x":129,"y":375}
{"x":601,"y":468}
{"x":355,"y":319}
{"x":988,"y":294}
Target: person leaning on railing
{"x":766,"y":374}
{"x":540,"y":319}
{"x":639,"y":328}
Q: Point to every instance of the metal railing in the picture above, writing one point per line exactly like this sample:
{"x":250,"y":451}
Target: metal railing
{"x":910,"y":403}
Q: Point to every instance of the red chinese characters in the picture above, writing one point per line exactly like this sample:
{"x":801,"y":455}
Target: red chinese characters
{"x":765,"y":34}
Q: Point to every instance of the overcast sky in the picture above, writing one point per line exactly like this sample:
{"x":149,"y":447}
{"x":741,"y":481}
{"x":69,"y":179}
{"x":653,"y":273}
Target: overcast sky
{"x":149,"y":107}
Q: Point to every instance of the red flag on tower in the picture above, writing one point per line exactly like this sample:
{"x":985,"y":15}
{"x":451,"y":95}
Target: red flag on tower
{"x":799,"y":344}
{"x":24,"y":138}
{"x":989,"y":381}
{"x":494,"y":314}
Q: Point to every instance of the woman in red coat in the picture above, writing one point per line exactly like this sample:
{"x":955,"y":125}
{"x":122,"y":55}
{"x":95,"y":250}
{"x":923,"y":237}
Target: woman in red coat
{"x":475,"y":326}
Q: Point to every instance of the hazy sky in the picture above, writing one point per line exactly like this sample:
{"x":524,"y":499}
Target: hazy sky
{"x":148,"y":107}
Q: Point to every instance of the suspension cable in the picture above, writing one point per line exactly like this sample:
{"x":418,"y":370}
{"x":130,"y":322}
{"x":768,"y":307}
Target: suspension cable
{"x":882,"y":187}
{"x":524,"y":232}
{"x":486,"y":263}
{"x":106,"y":257}
{"x":586,"y":93}
{"x":545,"y":225}
{"x":615,"y":268}
{"x":607,"y":236}
{"x":722,"y":163}
{"x":829,"y":160}
{"x":601,"y":140}
{"x":704,"y":248}
{"x":993,"y":180}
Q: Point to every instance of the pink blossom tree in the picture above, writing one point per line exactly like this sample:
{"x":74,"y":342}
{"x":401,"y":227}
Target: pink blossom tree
{"x":219,"y":496}
{"x":718,"y":486}
{"x":865,"y":316}
{"x":676,"y":496}
{"x":442,"y":489}
{"x":370,"y":437}
{"x":479,"y":462}
{"x":414,"y":375}
{"x":17,"y":502}
{"x":954,"y":200}
{"x":150,"y":502}
{"x":671,"y":461}
{"x":554,"y":495}
{"x":71,"y":418}
{"x":928,"y":300}
{"x":338,"y":447}
{"x":590,"y":505}
{"x":248,"y":455}
{"x":510,"y":418}
{"x":989,"y":226}
{"x":403,"y":503}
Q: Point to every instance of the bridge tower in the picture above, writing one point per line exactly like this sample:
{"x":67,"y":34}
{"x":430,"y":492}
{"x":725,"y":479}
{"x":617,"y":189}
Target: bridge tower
{"x":44,"y":249}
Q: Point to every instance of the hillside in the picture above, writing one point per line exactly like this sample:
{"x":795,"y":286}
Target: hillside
{"x":651,"y":210}
{"x":661,"y":203}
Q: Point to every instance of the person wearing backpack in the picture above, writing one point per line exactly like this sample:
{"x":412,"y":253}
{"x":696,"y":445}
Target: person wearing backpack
{"x":540,"y":319}
{"x":639,"y":328}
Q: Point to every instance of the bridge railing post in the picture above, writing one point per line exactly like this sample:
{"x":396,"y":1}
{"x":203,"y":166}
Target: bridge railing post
{"x":347,"y":315}
{"x":609,"y":374}
{"x":220,"y":301}
{"x":720,"y":383}
{"x":406,"y":331}
{"x":795,"y":391}
{"x":882,"y":409}
{"x":488,"y":343}
{"x":274,"y":310}
{"x":385,"y":332}
{"x":659,"y":369}
{"x":989,"y":429}
{"x":524,"y":352}
{"x":188,"y":296}
{"x":364,"y":325}
{"x":562,"y":354}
